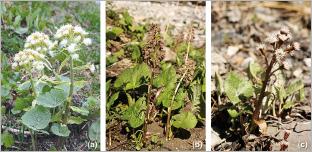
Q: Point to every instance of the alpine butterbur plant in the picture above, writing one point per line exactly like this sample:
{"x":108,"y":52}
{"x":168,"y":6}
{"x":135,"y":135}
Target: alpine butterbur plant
{"x":52,"y":91}
{"x":158,"y":81}
{"x":265,"y":87}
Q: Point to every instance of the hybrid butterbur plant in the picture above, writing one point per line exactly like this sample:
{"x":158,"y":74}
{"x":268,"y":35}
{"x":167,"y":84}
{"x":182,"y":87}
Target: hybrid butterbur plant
{"x":152,"y":82}
{"x":51,"y":90}
{"x":265,"y":86}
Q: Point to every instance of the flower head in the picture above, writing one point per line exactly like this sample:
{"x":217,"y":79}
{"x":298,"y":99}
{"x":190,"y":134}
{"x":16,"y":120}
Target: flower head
{"x":38,"y":41}
{"x":280,"y":55}
{"x":29,"y":60}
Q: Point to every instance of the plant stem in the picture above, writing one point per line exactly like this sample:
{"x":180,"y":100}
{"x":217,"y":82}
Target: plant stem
{"x":258,"y":103}
{"x":33,"y":140}
{"x":33,"y":85}
{"x":71,"y":90}
{"x":147,"y":109}
{"x":32,"y":133}
{"x":168,"y":125}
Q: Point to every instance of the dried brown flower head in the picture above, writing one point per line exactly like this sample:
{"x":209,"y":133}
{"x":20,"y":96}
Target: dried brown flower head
{"x":153,"y":50}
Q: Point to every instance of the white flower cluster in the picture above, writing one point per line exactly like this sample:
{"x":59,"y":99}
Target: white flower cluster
{"x":29,"y":59}
{"x":39,"y":42}
{"x":71,"y":37}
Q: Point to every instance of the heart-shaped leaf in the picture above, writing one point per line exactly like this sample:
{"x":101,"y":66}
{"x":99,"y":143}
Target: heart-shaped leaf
{"x":185,"y":120}
{"x":37,"y":118}
{"x":52,"y":99}
{"x":60,"y":130}
{"x":236,"y":86}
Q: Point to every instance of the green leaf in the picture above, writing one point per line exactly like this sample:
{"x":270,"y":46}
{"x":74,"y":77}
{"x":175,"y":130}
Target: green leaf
{"x":294,"y":87}
{"x":57,"y":117}
{"x":196,"y":92}
{"x":133,"y":77}
{"x":166,"y":78}
{"x":7,"y":139}
{"x":219,"y":83}
{"x":108,"y":84}
{"x":112,"y":100}
{"x":126,"y":19}
{"x":52,"y":99}
{"x":130,"y":100}
{"x":37,"y":118}
{"x":288,"y":104}
{"x":255,"y":70}
{"x":281,"y":93}
{"x":135,"y":113}
{"x":92,"y":104}
{"x":235,"y":87}
{"x":22,"y":103}
{"x":80,"y":110}
{"x":60,"y":130}
{"x":65,"y":85}
{"x":135,"y":51}
{"x":76,"y":120}
{"x":301,"y":94}
{"x":117,"y":30}
{"x":94,"y":131}
{"x":185,"y":120}
{"x":233,"y":113}
{"x":39,"y":86}
{"x":165,"y":96}
{"x":24,"y":86}
{"x":5,"y":90}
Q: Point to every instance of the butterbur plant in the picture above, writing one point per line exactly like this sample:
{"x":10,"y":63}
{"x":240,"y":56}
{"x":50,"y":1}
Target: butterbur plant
{"x":162,"y":86}
{"x":265,"y":86}
{"x":51,"y":109}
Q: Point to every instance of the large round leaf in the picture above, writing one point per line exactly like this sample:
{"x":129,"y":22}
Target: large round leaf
{"x":60,"y":130}
{"x":52,"y":99}
{"x":94,"y":131}
{"x":184,"y":120}
{"x":236,"y":86}
{"x":37,"y":118}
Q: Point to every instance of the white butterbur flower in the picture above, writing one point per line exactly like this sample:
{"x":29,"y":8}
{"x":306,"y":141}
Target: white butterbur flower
{"x":36,"y":40}
{"x":38,"y":65}
{"x":75,"y":56}
{"x":87,"y":41}
{"x":52,"y":53}
{"x":14,"y":65}
{"x":63,"y":43}
{"x":72,"y":48}
{"x":79,"y":30}
{"x":29,"y":59}
{"x":77,"y":39}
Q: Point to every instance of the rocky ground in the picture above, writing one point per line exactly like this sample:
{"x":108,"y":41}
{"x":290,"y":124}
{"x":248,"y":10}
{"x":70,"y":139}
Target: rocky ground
{"x":180,"y":15}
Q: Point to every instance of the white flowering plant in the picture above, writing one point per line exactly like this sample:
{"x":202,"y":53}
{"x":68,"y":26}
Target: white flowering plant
{"x":50,"y":87}
{"x":265,"y":87}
